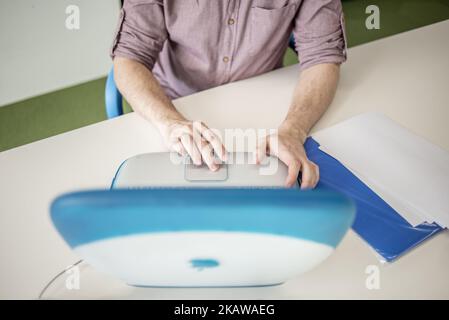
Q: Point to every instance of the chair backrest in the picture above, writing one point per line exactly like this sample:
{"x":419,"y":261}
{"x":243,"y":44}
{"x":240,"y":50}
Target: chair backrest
{"x":291,"y":42}
{"x":113,"y":98}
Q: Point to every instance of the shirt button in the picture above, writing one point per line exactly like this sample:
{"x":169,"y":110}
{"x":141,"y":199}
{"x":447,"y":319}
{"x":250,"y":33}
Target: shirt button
{"x":225,"y":59}
{"x":231,"y":21}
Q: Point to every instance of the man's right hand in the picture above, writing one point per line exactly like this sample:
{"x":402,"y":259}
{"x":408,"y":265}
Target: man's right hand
{"x":195,"y":139}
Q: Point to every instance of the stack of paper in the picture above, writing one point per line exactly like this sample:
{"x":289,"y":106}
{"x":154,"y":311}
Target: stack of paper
{"x":405,"y":170}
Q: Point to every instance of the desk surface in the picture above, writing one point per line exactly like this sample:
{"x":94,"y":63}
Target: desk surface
{"x":405,"y":77}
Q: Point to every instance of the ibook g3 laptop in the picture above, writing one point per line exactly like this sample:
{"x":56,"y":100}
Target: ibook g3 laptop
{"x":171,"y":170}
{"x":188,"y":227}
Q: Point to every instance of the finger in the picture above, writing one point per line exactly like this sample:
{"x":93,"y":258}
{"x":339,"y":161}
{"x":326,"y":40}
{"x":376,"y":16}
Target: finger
{"x":180,"y":130}
{"x":273,"y":145}
{"x":207,"y":155}
{"x":197,"y":128}
{"x":308,"y":175}
{"x":292,"y":175}
{"x":261,"y":150}
{"x":190,"y":147}
{"x":293,"y":166}
{"x":216,"y":143}
{"x":178,"y":147}
{"x":317,"y":174}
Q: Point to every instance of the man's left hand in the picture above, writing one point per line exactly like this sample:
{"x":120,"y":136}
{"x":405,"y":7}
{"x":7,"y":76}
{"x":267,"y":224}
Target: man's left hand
{"x":287,"y":145}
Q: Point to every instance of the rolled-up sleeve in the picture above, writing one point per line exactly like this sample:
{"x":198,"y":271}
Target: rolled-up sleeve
{"x":319,"y":33}
{"x":141,"y":31}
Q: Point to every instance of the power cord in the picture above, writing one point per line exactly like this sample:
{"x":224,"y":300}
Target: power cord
{"x":41,"y":294}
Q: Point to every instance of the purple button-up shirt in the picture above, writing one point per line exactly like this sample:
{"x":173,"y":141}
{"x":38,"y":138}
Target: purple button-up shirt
{"x":193,"y":45}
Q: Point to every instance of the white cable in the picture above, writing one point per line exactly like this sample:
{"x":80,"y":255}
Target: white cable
{"x":56,"y":277}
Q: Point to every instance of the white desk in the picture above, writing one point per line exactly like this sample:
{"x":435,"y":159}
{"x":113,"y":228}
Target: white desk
{"x":405,"y":76}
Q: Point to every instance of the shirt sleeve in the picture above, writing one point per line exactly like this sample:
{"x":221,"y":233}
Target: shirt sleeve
{"x":319,"y":33}
{"x":141,"y":31}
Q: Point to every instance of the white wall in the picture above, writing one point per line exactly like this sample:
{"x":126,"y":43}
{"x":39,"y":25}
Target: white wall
{"x":38,"y":54}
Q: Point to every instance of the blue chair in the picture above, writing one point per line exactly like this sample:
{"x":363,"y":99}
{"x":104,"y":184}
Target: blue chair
{"x":291,"y":42}
{"x":114,"y":99}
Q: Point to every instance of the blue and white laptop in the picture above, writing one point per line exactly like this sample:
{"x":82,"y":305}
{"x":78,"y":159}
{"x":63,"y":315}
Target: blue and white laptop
{"x":173,"y":225}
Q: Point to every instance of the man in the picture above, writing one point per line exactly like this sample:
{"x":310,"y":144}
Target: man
{"x":166,"y":49}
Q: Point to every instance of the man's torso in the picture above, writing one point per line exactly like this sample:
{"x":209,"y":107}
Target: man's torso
{"x":214,"y":42}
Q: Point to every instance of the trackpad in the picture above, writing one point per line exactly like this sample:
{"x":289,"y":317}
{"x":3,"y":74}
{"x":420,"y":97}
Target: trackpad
{"x":193,"y":172}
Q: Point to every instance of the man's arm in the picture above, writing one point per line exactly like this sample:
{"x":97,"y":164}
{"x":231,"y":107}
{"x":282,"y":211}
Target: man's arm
{"x":140,"y":88}
{"x":144,"y":93}
{"x":140,"y":36}
{"x":312,"y":96}
{"x":321,"y":46}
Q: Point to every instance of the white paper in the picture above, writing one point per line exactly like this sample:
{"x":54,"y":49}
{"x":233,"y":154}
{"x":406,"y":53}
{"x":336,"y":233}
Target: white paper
{"x":408,"y":172}
{"x":410,"y":214}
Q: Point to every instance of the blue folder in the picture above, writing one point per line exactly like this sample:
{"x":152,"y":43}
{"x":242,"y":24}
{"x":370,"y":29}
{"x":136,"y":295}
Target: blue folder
{"x":385,"y":230}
